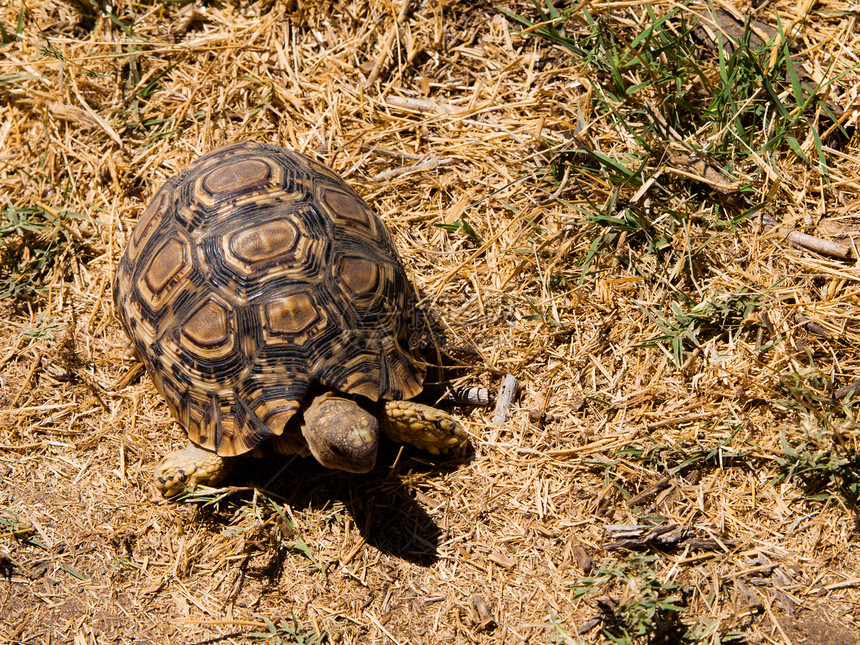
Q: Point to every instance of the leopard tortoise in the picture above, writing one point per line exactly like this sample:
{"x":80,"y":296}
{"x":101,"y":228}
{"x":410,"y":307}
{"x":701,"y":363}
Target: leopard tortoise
{"x":268,"y":304}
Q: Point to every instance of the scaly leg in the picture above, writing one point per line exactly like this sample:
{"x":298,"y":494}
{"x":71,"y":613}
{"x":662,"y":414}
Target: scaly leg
{"x":422,"y":426}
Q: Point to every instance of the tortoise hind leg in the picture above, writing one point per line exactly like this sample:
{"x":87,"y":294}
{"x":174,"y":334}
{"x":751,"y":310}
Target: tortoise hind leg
{"x":192,"y":466}
{"x":422,"y":426}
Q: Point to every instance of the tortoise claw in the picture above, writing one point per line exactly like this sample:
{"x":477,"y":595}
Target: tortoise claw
{"x":189,"y":468}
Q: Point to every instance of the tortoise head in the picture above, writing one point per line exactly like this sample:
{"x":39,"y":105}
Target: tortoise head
{"x":341,"y":434}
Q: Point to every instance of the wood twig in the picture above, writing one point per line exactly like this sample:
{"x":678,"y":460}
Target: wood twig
{"x":650,"y":492}
{"x":808,"y":242}
{"x":843,"y":392}
{"x":485,"y":615}
{"x":385,"y":48}
{"x":429,"y":162}
{"x":636,"y":537}
{"x":505,"y":398}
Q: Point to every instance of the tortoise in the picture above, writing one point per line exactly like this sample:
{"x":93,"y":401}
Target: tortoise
{"x":269,"y":306}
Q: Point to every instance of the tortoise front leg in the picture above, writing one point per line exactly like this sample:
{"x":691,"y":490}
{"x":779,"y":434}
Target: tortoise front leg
{"x":192,"y":466}
{"x":422,"y":426}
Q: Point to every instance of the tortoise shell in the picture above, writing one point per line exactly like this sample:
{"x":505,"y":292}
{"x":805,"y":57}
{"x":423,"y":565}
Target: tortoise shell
{"x":254,"y":275}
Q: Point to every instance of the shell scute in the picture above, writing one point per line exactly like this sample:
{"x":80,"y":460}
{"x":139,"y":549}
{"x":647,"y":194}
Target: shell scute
{"x":209,"y":326}
{"x":264,"y":243}
{"x":167,"y":266}
{"x":239,"y":176}
{"x":291,"y":314}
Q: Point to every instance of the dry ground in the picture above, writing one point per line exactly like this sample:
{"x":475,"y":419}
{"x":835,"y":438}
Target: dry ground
{"x":437,"y":116}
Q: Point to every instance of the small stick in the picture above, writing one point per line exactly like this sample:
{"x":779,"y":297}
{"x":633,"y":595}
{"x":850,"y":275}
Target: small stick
{"x":812,"y":326}
{"x":485,"y":614}
{"x":751,"y":599}
{"x":430,"y":162}
{"x":842,"y":392}
{"x":815,"y":244}
{"x":12,"y":352}
{"x":676,"y":420}
{"x":588,"y":625}
{"x":345,"y":560}
{"x":386,"y":44}
{"x":380,"y":627}
{"x":650,"y":492}
{"x":507,"y":393}
{"x":582,"y":557}
{"x":419,"y":105}
{"x":129,"y":377}
{"x":36,"y":363}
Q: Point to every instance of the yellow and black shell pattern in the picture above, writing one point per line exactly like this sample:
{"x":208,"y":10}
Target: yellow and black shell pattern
{"x":254,"y":275}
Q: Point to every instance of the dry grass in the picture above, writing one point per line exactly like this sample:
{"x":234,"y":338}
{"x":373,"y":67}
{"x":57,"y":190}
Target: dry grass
{"x":744,"y":447}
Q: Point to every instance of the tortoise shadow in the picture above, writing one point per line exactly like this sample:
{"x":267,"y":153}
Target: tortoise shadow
{"x":384,"y":510}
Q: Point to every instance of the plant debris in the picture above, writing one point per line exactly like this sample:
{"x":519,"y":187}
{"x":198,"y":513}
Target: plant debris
{"x":645,"y":214}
